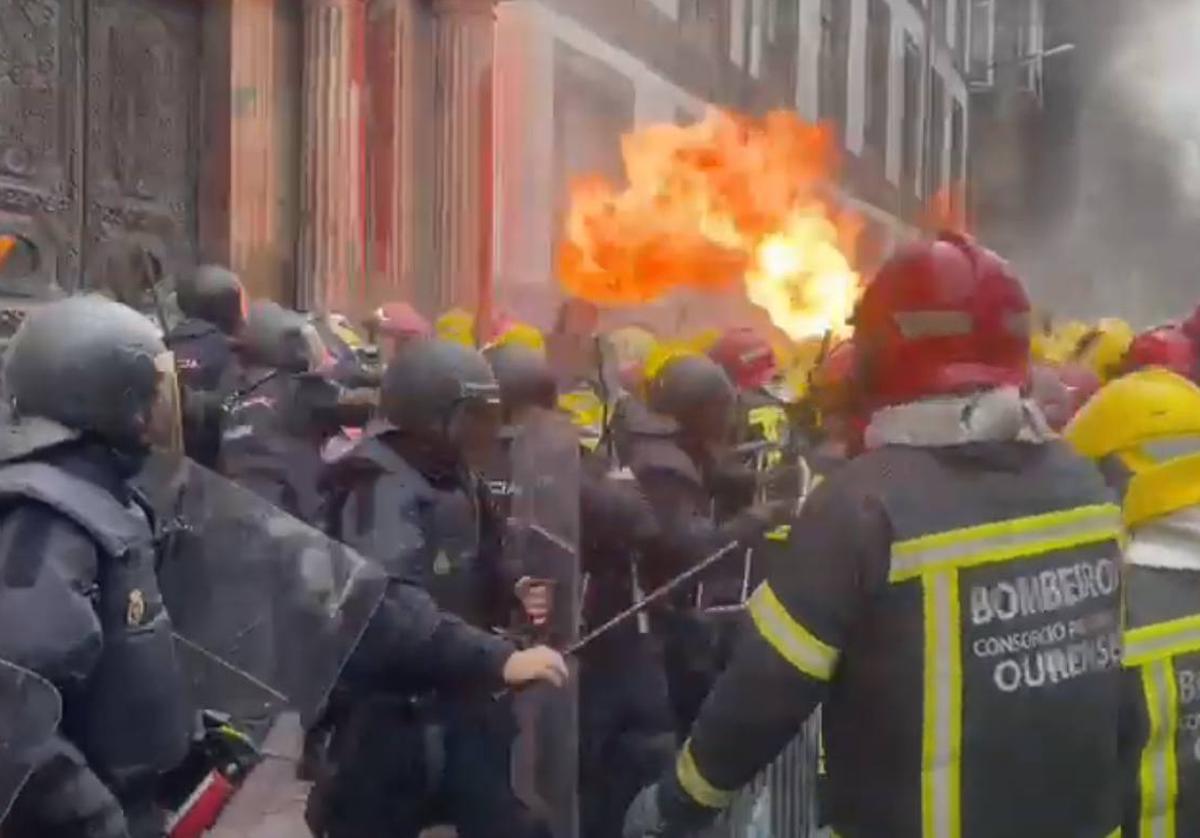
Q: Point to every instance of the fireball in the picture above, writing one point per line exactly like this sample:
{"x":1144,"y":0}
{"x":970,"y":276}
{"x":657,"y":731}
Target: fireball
{"x":724,"y":202}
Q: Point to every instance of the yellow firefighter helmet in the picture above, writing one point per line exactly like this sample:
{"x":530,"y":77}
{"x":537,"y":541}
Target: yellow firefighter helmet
{"x":1150,"y":422}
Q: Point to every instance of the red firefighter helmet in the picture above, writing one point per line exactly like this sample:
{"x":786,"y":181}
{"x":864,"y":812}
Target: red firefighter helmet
{"x":942,"y":317}
{"x":746,"y":357}
{"x":1168,"y":347}
{"x":400,"y":320}
{"x":1191,"y":326}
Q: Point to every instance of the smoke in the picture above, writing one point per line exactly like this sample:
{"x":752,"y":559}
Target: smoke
{"x":1125,"y":239}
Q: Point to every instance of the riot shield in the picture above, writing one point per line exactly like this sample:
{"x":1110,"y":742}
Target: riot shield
{"x":543,"y":540}
{"x":30,"y":709}
{"x":266,"y":609}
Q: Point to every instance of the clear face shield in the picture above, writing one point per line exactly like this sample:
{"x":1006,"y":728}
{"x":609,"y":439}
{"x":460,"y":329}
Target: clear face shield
{"x":475,"y":423}
{"x":164,"y":429}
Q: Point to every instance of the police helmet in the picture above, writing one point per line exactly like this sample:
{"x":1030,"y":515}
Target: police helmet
{"x":695,"y":392}
{"x":91,"y":365}
{"x":214,"y":294}
{"x":426,"y":385}
{"x":524,"y":377}
{"x":280,"y":338}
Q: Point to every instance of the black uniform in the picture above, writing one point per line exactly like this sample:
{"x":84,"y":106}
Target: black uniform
{"x":282,"y":414}
{"x":627,"y":728}
{"x":79,"y":598}
{"x":213,"y":304}
{"x":964,"y":641}
{"x":410,"y":753}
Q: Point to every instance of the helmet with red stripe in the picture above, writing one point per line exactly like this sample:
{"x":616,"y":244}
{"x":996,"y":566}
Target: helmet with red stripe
{"x":942,"y":317}
{"x":1168,"y":347}
{"x":746,"y":357}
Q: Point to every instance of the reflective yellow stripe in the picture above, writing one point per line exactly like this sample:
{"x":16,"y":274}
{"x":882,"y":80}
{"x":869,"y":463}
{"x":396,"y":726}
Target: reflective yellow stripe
{"x":770,"y":420}
{"x":1161,"y":640}
{"x":941,"y":751}
{"x":1004,"y":540}
{"x":1157,"y":773}
{"x":780,"y":533}
{"x":698,"y":788}
{"x":790,"y":639}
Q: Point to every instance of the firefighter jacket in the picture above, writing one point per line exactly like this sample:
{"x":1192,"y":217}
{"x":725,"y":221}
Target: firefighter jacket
{"x":1161,"y":733}
{"x":956,"y":611}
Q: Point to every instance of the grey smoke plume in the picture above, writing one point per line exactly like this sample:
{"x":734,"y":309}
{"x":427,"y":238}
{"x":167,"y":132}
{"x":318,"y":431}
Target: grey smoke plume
{"x":1111,"y":216}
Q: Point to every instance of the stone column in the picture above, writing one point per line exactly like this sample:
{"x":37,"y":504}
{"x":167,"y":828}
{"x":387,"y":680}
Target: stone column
{"x":332,"y":270}
{"x":248,"y":190}
{"x":464,"y":44}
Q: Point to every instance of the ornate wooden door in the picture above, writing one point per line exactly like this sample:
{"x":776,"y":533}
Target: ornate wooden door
{"x":99,"y":128}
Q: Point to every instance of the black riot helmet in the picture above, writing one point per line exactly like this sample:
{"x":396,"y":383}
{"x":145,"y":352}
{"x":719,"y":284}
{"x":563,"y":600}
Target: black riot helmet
{"x":91,"y":366}
{"x":444,"y":394}
{"x":214,"y":294}
{"x":695,"y":392}
{"x":280,"y":338}
{"x":524,"y":377}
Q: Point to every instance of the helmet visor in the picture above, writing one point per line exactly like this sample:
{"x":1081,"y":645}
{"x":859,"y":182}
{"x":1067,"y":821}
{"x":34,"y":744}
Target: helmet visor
{"x":475,"y":423}
{"x":164,"y":430}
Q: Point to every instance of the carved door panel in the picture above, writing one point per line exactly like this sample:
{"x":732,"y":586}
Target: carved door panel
{"x":142,"y":127}
{"x":99,"y":103}
{"x":41,"y":94}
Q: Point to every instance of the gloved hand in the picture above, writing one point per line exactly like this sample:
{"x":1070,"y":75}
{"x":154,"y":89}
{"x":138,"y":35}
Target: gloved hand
{"x":644,"y":819}
{"x":541,"y":663}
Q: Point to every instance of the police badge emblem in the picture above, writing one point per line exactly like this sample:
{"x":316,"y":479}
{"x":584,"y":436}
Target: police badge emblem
{"x":136,"y":610}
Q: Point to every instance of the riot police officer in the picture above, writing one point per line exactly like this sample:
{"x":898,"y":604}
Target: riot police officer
{"x":213,"y":303}
{"x":89,"y":382}
{"x":283,"y":411}
{"x":411,"y":754}
{"x":625,"y":728}
{"x":677,"y":447}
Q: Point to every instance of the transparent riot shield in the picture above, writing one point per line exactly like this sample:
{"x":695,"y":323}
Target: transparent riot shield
{"x":266,"y":609}
{"x":30,"y":709}
{"x":543,"y":540}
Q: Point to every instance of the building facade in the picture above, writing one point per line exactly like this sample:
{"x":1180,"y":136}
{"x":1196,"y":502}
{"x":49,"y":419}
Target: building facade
{"x":339,"y":153}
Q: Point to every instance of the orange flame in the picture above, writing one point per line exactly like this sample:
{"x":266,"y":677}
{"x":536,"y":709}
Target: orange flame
{"x":727,"y":199}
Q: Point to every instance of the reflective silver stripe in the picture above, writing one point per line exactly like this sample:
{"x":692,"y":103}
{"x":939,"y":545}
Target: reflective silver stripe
{"x":942,"y":722}
{"x":1157,"y":770}
{"x":1161,"y":640}
{"x":1172,"y":448}
{"x":933,"y":324}
{"x":1019,"y":323}
{"x":1004,"y":540}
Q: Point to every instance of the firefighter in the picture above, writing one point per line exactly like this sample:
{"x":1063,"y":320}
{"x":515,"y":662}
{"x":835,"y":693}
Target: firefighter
{"x":626,"y":728}
{"x":394,"y":325}
{"x":952,"y":595}
{"x":1167,"y":347}
{"x":410,"y":497}
{"x":1144,"y":431}
{"x":89,"y":382}
{"x":675,"y":444}
{"x":213,"y":303}
{"x":283,"y":411}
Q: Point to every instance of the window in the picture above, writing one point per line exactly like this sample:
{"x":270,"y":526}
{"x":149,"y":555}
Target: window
{"x":958,"y":135}
{"x":934,"y":172}
{"x":983,"y":41}
{"x":940,"y":20}
{"x":835,"y":49}
{"x":910,"y":139}
{"x":963,"y":32}
{"x":879,"y":42}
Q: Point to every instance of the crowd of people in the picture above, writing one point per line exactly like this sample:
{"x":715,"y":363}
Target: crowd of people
{"x":968,"y":532}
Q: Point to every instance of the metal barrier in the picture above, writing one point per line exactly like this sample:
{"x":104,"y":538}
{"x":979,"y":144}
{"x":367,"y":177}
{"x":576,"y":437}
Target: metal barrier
{"x":782,"y":800}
